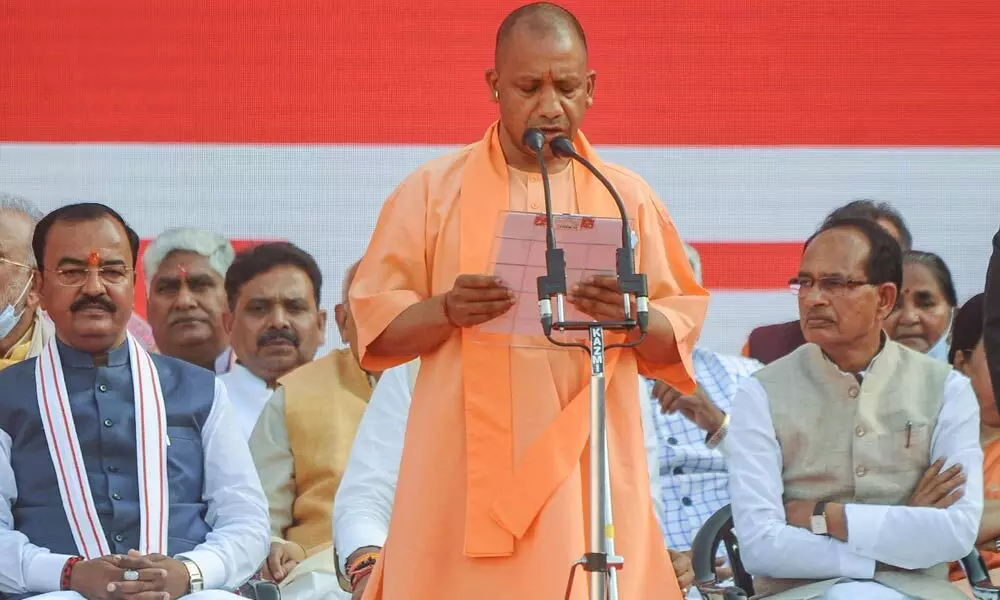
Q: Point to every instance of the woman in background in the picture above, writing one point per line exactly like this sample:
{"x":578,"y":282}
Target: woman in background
{"x":968,"y":357}
{"x":923,"y":315}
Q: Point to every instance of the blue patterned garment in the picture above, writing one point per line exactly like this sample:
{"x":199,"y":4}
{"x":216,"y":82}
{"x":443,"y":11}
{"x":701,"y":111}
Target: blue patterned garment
{"x":694,"y":482}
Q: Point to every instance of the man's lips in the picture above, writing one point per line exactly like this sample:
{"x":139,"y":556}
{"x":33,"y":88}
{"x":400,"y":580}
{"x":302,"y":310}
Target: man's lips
{"x":188,"y":321}
{"x":818,"y":321}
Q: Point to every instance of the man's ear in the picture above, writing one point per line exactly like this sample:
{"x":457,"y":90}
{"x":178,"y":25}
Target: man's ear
{"x":887,"y":296}
{"x":33,"y":298}
{"x":227,"y":321}
{"x":492,"y":78}
{"x":591,"y":87}
{"x":321,"y":322}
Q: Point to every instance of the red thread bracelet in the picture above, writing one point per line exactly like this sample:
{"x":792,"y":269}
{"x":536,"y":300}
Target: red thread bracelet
{"x":66,"y":577}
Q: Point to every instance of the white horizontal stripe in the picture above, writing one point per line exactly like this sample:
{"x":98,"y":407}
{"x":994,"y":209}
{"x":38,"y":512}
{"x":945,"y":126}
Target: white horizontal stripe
{"x":326,"y":198}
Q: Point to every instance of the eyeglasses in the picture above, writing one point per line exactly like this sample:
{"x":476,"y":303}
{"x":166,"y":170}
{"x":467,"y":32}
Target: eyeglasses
{"x":77,"y":276}
{"x":15,"y":263}
{"x":835,"y":286}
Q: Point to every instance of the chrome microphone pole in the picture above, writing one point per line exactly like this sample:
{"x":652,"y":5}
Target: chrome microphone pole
{"x":600,"y":561}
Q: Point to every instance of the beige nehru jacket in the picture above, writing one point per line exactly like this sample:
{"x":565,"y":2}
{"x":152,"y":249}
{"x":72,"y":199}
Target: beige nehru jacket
{"x":850,"y":442}
{"x":301,"y":442}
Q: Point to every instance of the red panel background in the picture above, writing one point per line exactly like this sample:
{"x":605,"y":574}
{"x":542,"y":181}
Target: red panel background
{"x":686,"y":72}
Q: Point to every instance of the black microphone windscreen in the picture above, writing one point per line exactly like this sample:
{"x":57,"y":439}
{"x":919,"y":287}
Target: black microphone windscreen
{"x":533,"y":138}
{"x":562,"y":146}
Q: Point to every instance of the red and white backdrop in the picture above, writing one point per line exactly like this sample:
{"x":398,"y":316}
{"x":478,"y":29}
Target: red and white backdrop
{"x":294,"y":120}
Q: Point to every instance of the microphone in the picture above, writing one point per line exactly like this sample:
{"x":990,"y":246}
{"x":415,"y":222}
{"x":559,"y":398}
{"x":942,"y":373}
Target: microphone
{"x":553,"y":283}
{"x":629,"y":282}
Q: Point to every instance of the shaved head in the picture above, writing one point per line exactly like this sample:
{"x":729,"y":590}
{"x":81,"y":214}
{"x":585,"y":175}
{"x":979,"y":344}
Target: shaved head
{"x":348,"y":279}
{"x":540,"y":19}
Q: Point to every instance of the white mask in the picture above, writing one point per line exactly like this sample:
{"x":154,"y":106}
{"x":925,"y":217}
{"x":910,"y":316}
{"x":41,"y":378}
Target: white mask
{"x":8,"y":319}
{"x":940,"y":348}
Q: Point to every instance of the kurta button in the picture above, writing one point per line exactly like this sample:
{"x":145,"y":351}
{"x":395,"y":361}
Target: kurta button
{"x":116,"y":496}
{"x":860,"y":431}
{"x":119,"y":538}
{"x":678,"y":470}
{"x":672,"y":441}
{"x":860,"y":471}
{"x":853,"y":392}
{"x":103,"y":387}
{"x":686,"y":501}
{"x":112,"y":469}
{"x":108,"y":422}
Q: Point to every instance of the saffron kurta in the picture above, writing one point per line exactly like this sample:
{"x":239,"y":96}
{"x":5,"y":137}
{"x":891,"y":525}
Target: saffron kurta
{"x":492,"y":493}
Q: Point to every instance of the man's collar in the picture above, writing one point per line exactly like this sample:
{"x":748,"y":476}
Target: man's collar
{"x":78,"y":359}
{"x":883,"y":338}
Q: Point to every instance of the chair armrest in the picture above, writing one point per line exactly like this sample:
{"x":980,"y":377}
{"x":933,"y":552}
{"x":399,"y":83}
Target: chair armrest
{"x":706,"y":541}
{"x":258,"y":589}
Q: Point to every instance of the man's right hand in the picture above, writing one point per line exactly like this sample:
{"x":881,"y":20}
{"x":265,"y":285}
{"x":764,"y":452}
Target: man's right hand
{"x":90,"y":578}
{"x":938,"y":489}
{"x":475,"y":299}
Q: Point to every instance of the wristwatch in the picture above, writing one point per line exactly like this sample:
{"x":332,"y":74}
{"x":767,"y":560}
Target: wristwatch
{"x":818,"y":521}
{"x":715,"y":438}
{"x":197,"y":581}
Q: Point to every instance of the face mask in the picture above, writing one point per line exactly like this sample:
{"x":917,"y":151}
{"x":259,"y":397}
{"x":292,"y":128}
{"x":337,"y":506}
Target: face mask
{"x":9,"y":320}
{"x":940,"y":349}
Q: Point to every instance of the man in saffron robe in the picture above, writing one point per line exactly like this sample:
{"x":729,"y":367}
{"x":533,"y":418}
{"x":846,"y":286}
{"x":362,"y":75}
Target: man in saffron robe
{"x":492,"y":493}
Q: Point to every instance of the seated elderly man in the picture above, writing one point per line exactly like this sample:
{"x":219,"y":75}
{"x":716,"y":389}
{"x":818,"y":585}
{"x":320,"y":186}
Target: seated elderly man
{"x":23,"y":327}
{"x":186,"y":295}
{"x":848,"y":457}
{"x":121,"y":473}
{"x":771,"y":342}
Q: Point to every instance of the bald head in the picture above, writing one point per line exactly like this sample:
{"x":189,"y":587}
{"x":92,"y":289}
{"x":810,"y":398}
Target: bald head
{"x":348,"y":280}
{"x":540,"y":19}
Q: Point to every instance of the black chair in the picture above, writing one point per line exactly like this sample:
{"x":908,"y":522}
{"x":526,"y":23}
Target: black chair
{"x":258,"y":589}
{"x":719,"y":529}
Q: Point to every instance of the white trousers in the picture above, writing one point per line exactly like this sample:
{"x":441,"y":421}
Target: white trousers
{"x":314,"y":585}
{"x":863,"y":590}
{"x":204,"y":595}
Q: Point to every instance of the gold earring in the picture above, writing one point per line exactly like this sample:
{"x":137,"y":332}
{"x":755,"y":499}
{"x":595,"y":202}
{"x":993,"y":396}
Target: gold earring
{"x":496,"y":95}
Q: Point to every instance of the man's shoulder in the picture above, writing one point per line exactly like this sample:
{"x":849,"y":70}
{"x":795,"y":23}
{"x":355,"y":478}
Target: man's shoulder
{"x":18,"y":374}
{"x":440,"y":170}
{"x":914,"y":359}
{"x":332,"y":371}
{"x":628,"y":182}
{"x":168,"y":367}
{"x":791,"y":361}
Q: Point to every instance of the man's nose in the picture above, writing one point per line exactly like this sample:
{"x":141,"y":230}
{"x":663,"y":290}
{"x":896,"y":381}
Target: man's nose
{"x":549,"y":106}
{"x":279,"y":318}
{"x":814,"y":297}
{"x":93,"y":285}
{"x":185,"y":299}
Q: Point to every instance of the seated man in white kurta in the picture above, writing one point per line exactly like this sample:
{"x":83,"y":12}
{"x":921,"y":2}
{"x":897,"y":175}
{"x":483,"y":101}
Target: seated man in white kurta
{"x":855,"y":466}
{"x":121,"y":472}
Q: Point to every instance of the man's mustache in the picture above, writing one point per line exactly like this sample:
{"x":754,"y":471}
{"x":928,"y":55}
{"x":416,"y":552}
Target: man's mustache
{"x":272,"y":335}
{"x":102,"y":302}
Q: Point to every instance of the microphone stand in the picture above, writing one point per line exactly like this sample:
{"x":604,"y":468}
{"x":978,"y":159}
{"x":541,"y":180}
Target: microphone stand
{"x":600,"y":561}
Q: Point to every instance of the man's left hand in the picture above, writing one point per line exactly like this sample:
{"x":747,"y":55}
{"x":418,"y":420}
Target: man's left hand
{"x":158,"y":575}
{"x":798,"y":513}
{"x":682,"y":569}
{"x":600,"y":298}
{"x":697,"y":407}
